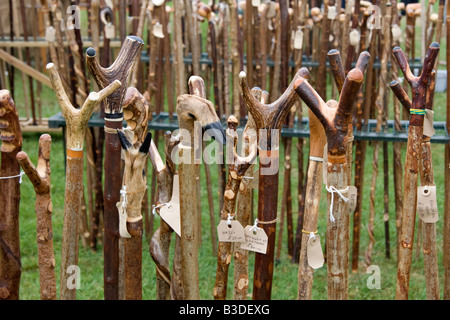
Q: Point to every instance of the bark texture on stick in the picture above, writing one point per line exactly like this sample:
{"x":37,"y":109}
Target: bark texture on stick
{"x":415,"y":131}
{"x":40,"y":178}
{"x":10,"y":260}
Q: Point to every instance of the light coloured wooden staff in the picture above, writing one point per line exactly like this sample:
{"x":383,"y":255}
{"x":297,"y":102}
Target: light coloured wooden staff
{"x":76,"y":122}
{"x":245,"y":204}
{"x":40,"y":178}
{"x":120,"y":69}
{"x":269,"y":117}
{"x":335,"y":118}
{"x":160,"y":243}
{"x":415,"y":131}
{"x":426,"y":179}
{"x":133,"y":191}
{"x":236,"y":171}
{"x":191,"y":108}
{"x":11,"y":137}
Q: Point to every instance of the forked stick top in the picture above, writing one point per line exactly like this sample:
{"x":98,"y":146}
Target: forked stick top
{"x":120,"y":70}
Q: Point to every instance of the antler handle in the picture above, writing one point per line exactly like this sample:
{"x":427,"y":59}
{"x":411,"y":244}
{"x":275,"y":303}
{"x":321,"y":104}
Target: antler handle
{"x":10,"y":131}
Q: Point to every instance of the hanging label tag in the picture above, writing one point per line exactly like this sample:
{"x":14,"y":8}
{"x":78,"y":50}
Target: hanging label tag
{"x":50,"y":33}
{"x":158,"y":30}
{"x":170,"y":213}
{"x":122,"y":220}
{"x":325,"y":164}
{"x":314,"y":252}
{"x":428,"y":128}
{"x":332,"y":13}
{"x":354,"y":37}
{"x":427,"y":204}
{"x":298,"y":39}
{"x":351,"y":194}
{"x":256,"y":3}
{"x":233,"y":232}
{"x":110,"y":31}
{"x":255,"y":240}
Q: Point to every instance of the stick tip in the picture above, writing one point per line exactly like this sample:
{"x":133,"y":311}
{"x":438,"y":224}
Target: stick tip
{"x":333,"y":52}
{"x":242,"y":75}
{"x":49,"y":65}
{"x":393,"y":83}
{"x":21,"y":156}
{"x":435,"y":45}
{"x":91,"y":52}
{"x":396,"y":48}
{"x":135,"y":38}
{"x":45,"y":137}
{"x":355,"y":75}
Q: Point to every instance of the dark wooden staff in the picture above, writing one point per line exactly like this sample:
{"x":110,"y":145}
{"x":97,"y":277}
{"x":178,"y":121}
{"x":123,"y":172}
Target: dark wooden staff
{"x":335,"y":118}
{"x":415,"y":131}
{"x":190,"y":108}
{"x":236,"y":171}
{"x":135,"y":183}
{"x":447,"y":176}
{"x":120,"y":69}
{"x":426,"y":179}
{"x":76,"y":122}
{"x":269,"y":117}
{"x":40,"y":178}
{"x":11,"y":137}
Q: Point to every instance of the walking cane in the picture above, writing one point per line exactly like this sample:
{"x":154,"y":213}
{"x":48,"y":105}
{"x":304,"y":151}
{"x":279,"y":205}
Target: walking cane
{"x":426,"y":179}
{"x":10,"y":178}
{"x":336,"y":118}
{"x":120,"y":69}
{"x":76,"y":122}
{"x":236,"y":171}
{"x":192,"y":108}
{"x":40,"y":178}
{"x":131,"y":224}
{"x":415,"y":131}
{"x":268,"y":119}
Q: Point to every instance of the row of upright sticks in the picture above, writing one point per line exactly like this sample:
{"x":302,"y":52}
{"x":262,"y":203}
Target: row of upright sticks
{"x":269,"y":19}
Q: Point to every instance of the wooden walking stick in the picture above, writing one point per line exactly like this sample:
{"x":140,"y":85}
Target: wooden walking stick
{"x":76,"y":122}
{"x":160,"y":242}
{"x":40,"y":178}
{"x":191,"y":108}
{"x":11,"y":137}
{"x":269,"y":118}
{"x":236,"y":171}
{"x":245,"y":204}
{"x":415,"y":132}
{"x":336,"y":118}
{"x":427,"y":180}
{"x":446,"y":226}
{"x":131,"y":220}
{"x":120,"y":69}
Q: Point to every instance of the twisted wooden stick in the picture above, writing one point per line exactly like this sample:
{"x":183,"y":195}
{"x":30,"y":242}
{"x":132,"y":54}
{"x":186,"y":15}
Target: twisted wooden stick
{"x":40,"y":178}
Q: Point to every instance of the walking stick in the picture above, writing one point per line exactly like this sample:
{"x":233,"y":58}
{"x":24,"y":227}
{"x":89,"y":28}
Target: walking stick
{"x":120,"y":69}
{"x":76,"y":122}
{"x":191,"y":107}
{"x":132,"y":194}
{"x":11,"y":137}
{"x":269,"y":118}
{"x":245,"y":204}
{"x":160,"y":242}
{"x":236,"y":171}
{"x":426,"y":179}
{"x":415,"y":131}
{"x":40,"y":178}
{"x":336,"y":118}
{"x":447,"y":176}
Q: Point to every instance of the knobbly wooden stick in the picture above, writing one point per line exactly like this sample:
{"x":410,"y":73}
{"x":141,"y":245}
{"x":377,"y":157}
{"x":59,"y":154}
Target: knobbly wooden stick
{"x":269,"y":117}
{"x":335,"y":118}
{"x":120,"y":69}
{"x":76,"y":122}
{"x":236,"y":171}
{"x":10,"y":260}
{"x":415,"y":130}
{"x":135,"y":186}
{"x":191,"y":108}
{"x":446,"y":226}
{"x":40,"y":178}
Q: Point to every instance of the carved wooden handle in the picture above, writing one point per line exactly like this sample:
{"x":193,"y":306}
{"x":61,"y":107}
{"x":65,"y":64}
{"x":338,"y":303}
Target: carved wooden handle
{"x":10,"y":131}
{"x":120,"y":69}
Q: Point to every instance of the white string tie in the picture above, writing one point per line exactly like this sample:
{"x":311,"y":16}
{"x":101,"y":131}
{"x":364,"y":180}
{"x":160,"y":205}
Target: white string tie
{"x":159,"y":206}
{"x":255,"y":226}
{"x":123,"y":193}
{"x":229,"y":219}
{"x":312,"y":235}
{"x":333,"y":190}
{"x":11,"y":177}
